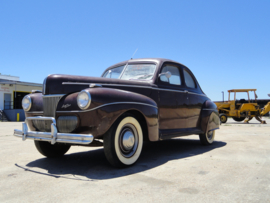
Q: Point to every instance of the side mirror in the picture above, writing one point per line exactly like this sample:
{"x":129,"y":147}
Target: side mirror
{"x":167,"y":74}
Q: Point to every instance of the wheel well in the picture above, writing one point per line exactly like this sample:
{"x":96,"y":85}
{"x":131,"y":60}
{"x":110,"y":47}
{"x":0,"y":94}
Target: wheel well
{"x":139,"y":116}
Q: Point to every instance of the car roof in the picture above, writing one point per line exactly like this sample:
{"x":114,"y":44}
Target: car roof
{"x":154,"y":60}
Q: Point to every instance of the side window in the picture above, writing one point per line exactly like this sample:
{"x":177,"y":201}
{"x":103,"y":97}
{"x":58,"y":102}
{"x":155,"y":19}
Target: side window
{"x":189,"y":80}
{"x":175,"y":79}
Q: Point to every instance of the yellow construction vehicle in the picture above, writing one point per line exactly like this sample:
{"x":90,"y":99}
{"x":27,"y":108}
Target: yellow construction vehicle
{"x":243,"y":109}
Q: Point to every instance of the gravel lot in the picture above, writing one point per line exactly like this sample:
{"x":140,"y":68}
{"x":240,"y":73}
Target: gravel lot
{"x":236,"y":168}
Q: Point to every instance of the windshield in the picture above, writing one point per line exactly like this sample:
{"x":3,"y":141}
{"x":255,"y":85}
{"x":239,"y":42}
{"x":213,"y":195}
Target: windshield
{"x":114,"y":72}
{"x":132,"y":72}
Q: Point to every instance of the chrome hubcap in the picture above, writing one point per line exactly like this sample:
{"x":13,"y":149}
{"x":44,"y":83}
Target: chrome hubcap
{"x":128,"y":140}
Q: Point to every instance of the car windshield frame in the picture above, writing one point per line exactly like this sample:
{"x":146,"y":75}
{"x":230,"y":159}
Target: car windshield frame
{"x":133,"y":71}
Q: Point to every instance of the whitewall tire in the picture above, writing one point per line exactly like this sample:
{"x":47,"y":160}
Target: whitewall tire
{"x":123,"y":142}
{"x":208,"y":138}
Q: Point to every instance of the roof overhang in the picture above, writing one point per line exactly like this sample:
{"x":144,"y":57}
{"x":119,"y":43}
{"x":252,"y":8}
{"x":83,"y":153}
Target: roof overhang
{"x":10,"y":82}
{"x":242,"y":90}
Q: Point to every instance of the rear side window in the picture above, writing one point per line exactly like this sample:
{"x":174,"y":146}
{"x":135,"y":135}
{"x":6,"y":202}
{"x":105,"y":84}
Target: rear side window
{"x":189,"y":80}
{"x":175,"y":79}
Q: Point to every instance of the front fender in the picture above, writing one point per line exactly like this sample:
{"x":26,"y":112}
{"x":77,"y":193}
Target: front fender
{"x":106,"y":106}
{"x":147,"y":117}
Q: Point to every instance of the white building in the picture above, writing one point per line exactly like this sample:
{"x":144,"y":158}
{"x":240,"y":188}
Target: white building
{"x":12,"y":91}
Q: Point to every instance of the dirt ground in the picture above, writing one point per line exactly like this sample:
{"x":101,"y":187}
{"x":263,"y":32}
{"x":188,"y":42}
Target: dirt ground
{"x":235,"y":168}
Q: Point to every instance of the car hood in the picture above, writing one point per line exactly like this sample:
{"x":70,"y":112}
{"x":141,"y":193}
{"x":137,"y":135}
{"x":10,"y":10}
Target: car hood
{"x":65,"y":84}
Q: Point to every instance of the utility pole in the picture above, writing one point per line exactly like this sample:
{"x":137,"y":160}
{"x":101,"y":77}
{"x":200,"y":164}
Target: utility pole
{"x":222,"y":96}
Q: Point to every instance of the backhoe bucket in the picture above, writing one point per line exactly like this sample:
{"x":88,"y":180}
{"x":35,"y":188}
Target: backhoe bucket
{"x":266,"y":109}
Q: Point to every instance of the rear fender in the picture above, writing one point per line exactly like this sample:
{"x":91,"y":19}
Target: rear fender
{"x":209,"y":119}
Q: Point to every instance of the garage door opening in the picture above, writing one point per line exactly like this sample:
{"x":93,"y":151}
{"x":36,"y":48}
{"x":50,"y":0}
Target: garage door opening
{"x":18,"y":97}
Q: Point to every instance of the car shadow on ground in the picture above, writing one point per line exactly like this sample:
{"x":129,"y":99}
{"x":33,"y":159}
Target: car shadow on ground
{"x":92,"y":165}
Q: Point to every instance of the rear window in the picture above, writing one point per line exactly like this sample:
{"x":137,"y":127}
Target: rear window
{"x":189,"y":80}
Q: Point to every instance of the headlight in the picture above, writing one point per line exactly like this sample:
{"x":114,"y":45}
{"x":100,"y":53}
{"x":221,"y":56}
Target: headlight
{"x":26,"y":103}
{"x":84,"y":99}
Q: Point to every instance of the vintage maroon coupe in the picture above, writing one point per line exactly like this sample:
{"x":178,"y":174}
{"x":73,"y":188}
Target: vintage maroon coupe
{"x":134,"y":101}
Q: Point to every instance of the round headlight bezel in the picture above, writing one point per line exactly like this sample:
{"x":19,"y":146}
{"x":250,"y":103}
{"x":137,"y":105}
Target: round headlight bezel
{"x":83,"y":107}
{"x":30,"y":103}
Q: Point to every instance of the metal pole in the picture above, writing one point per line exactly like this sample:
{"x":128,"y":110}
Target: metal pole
{"x":14,"y":98}
{"x":222,"y":96}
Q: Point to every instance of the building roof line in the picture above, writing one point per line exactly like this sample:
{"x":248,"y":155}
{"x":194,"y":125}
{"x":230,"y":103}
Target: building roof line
{"x":13,"y":82}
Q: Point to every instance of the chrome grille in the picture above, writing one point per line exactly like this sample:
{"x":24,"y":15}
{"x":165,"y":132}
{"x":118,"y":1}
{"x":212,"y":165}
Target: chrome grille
{"x":49,"y":104}
{"x":40,"y":125}
{"x":66,"y":124}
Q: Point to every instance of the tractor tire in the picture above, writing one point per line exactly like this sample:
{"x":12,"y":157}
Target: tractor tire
{"x":223,"y":118}
{"x":238,"y":119}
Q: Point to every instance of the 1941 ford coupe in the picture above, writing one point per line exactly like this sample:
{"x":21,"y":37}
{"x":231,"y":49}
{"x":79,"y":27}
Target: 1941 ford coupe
{"x":134,"y":101}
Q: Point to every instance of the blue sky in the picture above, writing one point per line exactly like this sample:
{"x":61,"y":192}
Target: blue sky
{"x":225,"y":43}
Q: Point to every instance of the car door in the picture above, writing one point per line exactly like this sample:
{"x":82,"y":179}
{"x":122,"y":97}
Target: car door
{"x":172,"y":101}
{"x":195,"y":100}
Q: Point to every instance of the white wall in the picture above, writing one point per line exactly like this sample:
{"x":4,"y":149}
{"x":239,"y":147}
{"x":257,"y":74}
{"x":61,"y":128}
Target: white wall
{"x":10,"y":89}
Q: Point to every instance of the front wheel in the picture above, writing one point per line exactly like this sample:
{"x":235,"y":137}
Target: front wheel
{"x":223,"y":118}
{"x":51,"y":151}
{"x":123,"y":142}
{"x":207,"y":138}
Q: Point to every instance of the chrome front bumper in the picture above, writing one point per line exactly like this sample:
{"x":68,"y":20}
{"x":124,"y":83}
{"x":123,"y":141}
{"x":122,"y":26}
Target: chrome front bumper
{"x":52,"y":136}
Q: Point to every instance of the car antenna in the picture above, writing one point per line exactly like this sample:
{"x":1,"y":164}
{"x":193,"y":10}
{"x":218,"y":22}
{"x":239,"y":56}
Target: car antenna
{"x":134,"y":54}
{"x":127,"y":64}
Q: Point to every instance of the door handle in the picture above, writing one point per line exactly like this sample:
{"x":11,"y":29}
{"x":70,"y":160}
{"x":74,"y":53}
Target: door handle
{"x":186,"y":91}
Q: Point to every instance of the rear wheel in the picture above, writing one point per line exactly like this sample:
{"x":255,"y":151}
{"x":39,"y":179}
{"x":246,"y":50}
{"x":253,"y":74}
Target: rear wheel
{"x":51,"y":151}
{"x":223,"y":118}
{"x":207,"y":138}
{"x":123,"y":142}
{"x":238,"y":119}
